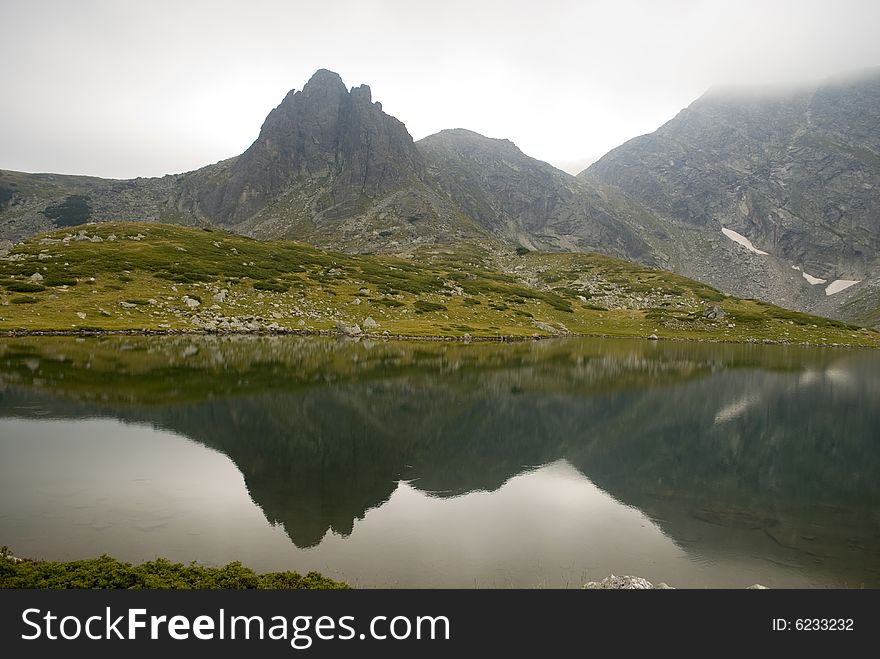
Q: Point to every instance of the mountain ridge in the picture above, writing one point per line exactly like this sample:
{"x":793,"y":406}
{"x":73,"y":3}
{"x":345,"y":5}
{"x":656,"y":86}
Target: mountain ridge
{"x":796,"y":173}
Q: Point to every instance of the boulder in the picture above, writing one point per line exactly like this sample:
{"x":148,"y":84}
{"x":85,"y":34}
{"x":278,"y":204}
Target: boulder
{"x":348,"y":330}
{"x":370,"y":324}
{"x":714,"y":312}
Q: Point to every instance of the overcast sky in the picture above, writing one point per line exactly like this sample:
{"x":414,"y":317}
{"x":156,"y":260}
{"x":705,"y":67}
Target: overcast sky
{"x":121,"y":88}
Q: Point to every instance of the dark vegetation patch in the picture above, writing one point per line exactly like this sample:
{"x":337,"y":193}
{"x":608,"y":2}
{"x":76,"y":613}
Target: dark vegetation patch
{"x":24,"y":287}
{"x":423,"y":306}
{"x":73,"y":211}
{"x":275,"y":287}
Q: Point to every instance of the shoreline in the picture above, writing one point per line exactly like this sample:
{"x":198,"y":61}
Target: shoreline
{"x":434,"y":338}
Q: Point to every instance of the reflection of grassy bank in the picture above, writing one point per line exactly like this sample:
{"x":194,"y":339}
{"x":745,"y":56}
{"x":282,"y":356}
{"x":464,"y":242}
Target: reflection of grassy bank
{"x":131,"y":276}
{"x":150,"y":370}
{"x":107,"y":572}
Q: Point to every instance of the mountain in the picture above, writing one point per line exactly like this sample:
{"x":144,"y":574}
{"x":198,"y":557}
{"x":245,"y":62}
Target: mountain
{"x":765,"y":194}
{"x":331,"y":168}
{"x":795,"y":171}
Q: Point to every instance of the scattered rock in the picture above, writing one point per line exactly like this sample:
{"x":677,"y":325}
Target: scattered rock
{"x":190,"y":302}
{"x":370,"y":324}
{"x":36,"y":277}
{"x":221,"y":296}
{"x":5,"y":247}
{"x":81,"y":315}
{"x":357,"y":300}
{"x":127,"y":305}
{"x":757,"y":586}
{"x":653,"y":337}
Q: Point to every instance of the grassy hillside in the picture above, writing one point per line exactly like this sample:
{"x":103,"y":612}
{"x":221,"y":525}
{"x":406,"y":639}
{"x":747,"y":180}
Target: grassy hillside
{"x":138,"y":276}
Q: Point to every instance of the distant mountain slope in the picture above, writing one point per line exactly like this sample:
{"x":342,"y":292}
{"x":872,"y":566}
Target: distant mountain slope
{"x":529,"y":202}
{"x":797,"y":172}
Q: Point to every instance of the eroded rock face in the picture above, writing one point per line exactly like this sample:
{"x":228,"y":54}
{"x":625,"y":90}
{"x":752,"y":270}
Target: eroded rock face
{"x":324,"y":136}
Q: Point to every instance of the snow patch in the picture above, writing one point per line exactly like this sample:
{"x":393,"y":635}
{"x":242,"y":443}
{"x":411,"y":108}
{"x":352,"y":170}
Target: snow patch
{"x":813,"y":280}
{"x":840,"y":285}
{"x":742,"y":240}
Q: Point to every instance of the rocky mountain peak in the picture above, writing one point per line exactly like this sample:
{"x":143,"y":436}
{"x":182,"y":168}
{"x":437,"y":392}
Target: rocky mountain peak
{"x":335,"y":142}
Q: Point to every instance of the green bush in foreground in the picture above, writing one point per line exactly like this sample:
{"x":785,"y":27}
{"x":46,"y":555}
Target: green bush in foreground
{"x":107,"y":572}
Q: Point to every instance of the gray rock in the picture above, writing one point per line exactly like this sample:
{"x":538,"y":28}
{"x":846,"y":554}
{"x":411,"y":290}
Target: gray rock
{"x":714,"y":313}
{"x":348,"y":330}
{"x":653,"y":337}
{"x":221,"y":296}
{"x":620,"y":583}
{"x":370,"y":324}
{"x":36,"y":278}
{"x":756,"y":586}
{"x":545,"y":327}
{"x":190,"y":302}
{"x":81,"y":315}
{"x":5,"y":247}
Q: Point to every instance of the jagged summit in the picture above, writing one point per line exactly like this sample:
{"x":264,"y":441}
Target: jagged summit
{"x":334,"y":142}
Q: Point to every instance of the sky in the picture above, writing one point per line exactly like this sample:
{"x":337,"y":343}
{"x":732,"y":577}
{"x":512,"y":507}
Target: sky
{"x":123,"y":88}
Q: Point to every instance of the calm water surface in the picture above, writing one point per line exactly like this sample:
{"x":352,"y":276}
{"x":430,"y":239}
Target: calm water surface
{"x":435,"y":465}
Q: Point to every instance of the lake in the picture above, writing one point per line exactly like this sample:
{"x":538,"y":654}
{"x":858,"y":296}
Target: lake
{"x":415,"y":464}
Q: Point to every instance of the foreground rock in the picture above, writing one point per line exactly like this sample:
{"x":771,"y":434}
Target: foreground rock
{"x":639,"y":583}
{"x":620,"y":583}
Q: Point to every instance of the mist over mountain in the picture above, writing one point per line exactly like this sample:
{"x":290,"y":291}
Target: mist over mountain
{"x":794,"y":171}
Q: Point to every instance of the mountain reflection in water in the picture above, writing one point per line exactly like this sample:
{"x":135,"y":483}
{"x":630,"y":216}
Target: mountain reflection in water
{"x":450,"y":465}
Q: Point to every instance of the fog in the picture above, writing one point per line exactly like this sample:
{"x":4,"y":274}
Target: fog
{"x":124,"y":89}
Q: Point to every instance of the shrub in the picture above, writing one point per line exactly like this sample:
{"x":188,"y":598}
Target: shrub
{"x":270,"y":286}
{"x":422,"y":306}
{"x":107,"y":572}
{"x":24,"y":287}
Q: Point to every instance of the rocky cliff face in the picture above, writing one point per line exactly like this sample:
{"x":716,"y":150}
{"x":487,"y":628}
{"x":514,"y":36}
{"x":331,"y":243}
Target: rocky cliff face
{"x":797,"y":172}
